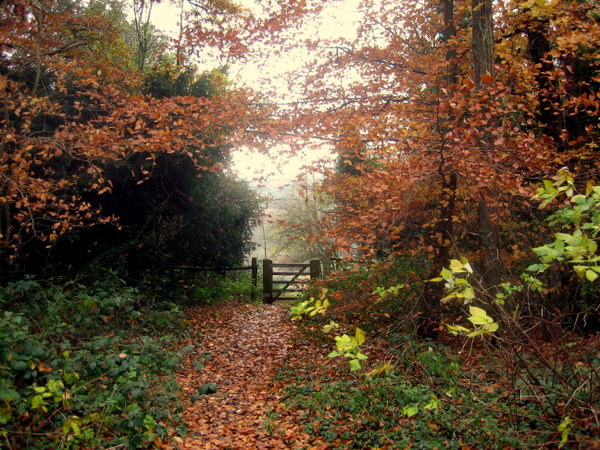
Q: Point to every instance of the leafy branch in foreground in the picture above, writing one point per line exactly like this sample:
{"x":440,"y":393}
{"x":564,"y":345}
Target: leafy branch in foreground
{"x":576,"y":244}
{"x":347,"y":346}
{"x":579,"y":218}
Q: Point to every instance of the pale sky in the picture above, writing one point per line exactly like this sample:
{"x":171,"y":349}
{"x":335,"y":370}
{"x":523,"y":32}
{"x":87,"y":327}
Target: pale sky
{"x":337,"y":21}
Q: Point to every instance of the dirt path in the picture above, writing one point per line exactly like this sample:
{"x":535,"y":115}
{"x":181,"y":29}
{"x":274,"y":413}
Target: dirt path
{"x":241,"y":348}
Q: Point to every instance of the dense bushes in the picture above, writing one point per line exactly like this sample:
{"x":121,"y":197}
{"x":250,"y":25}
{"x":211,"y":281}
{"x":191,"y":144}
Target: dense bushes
{"x":435,"y":399}
{"x":86,"y":366}
{"x":527,"y":374}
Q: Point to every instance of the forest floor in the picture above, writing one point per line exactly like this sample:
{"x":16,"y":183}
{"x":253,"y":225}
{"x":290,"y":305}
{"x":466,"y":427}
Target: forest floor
{"x":277,"y":389}
{"x":242,"y":346}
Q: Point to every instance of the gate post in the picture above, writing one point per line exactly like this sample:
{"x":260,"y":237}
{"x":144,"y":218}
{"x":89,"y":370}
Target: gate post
{"x":254,"y":278}
{"x":267,"y":281}
{"x":315,"y":269}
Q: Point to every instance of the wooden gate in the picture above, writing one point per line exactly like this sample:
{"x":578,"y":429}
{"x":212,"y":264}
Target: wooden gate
{"x":283,"y":281}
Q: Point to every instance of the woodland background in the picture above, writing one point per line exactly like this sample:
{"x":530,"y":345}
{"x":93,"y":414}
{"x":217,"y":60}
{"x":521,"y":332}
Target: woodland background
{"x":463,"y":199}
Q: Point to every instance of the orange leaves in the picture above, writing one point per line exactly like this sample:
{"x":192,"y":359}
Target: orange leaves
{"x":468,"y":85}
{"x":486,"y":78}
{"x":242,"y":346}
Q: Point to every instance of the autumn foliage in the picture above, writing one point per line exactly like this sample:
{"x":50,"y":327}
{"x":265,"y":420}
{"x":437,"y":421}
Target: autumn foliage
{"x":442,"y":129}
{"x":75,"y":105}
{"x":460,"y":141}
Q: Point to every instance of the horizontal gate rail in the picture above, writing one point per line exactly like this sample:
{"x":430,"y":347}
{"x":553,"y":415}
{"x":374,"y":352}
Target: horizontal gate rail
{"x":271,"y":287}
{"x":253,"y":267}
{"x":295,"y":276}
{"x":291,"y":273}
{"x":289,"y":265}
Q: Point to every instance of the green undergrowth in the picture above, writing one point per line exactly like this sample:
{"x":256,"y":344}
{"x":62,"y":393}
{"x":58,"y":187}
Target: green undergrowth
{"x":211,"y":288}
{"x":443,"y":394}
{"x":86,"y":366}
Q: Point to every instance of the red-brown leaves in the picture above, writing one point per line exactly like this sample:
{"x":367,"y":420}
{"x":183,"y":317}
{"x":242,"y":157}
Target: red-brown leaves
{"x":71,"y":106}
{"x":241,"y":348}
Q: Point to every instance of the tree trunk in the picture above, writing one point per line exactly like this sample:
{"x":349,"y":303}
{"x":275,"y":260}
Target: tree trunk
{"x":443,"y":238}
{"x":443,"y":230}
{"x":489,"y":235}
{"x":483,"y":38}
{"x":538,"y":47}
{"x":490,"y":263}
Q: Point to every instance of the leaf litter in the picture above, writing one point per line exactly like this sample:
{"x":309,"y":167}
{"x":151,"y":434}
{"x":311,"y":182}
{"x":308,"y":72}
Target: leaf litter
{"x":241,"y":348}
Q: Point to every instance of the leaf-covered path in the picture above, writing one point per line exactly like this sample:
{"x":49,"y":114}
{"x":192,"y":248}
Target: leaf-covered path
{"x":242,"y":346}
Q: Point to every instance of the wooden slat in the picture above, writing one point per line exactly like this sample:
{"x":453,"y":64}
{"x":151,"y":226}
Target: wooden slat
{"x":291,"y":265}
{"x":291,"y":273}
{"x":291,"y":282}
{"x":214,"y":269}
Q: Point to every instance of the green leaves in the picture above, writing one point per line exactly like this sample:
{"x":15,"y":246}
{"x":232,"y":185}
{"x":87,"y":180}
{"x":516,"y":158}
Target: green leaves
{"x":208,"y":388}
{"x":579,"y":218}
{"x":115,"y":364}
{"x":457,"y":287}
{"x":484,"y":323}
{"x":564,"y":428}
{"x":413,"y":409}
{"x":460,"y":288}
{"x":392,"y":291}
{"x":410,"y":410}
{"x":349,"y":347}
{"x":311,"y":307}
{"x":563,"y":183}
{"x":330,"y":326}
{"x":72,"y":425}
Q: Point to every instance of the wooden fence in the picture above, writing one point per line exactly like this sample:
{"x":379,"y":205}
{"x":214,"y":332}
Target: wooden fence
{"x":281,"y":281}
{"x":253,"y":267}
{"x":284,"y":280}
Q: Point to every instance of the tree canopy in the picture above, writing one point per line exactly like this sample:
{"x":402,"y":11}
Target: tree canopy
{"x":445,"y":116}
{"x":97,"y":148}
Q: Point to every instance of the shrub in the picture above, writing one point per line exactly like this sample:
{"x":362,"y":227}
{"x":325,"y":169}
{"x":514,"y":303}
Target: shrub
{"x":84,"y":366}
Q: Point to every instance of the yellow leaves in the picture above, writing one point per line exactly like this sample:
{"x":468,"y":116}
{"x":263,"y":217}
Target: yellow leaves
{"x":483,"y":324}
{"x":360,"y":337}
{"x":539,"y":9}
{"x":461,"y":266}
{"x":384,"y":368}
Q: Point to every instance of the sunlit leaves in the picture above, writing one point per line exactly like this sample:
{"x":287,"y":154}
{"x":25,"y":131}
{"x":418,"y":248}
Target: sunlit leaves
{"x":457,"y":287}
{"x":349,"y":346}
{"x":483,"y":324}
{"x":579,"y":219}
{"x":311,"y":307}
{"x":384,"y":368}
{"x":564,"y":428}
{"x":329,"y":327}
{"x":392,"y":291}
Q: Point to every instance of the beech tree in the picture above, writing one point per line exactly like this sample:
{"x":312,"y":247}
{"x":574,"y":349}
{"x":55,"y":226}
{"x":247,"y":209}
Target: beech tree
{"x":72,"y":105}
{"x":447,"y":120}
